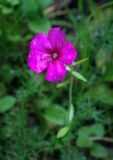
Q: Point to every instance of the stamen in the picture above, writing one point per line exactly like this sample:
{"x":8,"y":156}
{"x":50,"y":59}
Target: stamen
{"x":55,"y":55}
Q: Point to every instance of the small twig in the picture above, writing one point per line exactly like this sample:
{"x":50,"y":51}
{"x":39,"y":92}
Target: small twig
{"x":49,"y":10}
{"x":56,"y":6}
{"x":62,"y":84}
{"x":104,"y":139}
{"x":56,"y":13}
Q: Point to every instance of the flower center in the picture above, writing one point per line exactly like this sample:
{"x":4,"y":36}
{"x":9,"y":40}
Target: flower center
{"x":55,"y":55}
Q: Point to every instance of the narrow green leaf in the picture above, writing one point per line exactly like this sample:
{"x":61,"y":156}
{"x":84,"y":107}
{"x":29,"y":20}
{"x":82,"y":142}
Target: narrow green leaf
{"x":76,"y":74}
{"x":6,"y":103}
{"x":71,"y":113}
{"x":79,"y":76}
{"x":62,"y":84}
{"x":62,"y":132}
{"x":80,"y":62}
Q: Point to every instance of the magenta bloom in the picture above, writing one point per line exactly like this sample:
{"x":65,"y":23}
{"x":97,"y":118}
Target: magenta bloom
{"x":52,"y":53}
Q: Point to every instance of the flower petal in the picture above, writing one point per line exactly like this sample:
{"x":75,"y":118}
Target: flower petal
{"x":56,"y":71}
{"x":57,"y":38}
{"x":68,"y":53}
{"x":38,"y":61}
{"x":41,"y":43}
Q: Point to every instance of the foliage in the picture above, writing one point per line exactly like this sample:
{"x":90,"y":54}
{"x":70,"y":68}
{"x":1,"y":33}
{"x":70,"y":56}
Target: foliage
{"x":32,"y":111}
{"x":6,"y":103}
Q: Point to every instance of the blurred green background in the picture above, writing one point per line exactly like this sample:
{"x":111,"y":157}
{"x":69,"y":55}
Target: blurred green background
{"x":32,"y":110}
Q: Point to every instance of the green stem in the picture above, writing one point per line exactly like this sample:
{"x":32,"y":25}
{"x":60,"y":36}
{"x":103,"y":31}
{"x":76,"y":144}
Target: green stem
{"x":70,"y":92}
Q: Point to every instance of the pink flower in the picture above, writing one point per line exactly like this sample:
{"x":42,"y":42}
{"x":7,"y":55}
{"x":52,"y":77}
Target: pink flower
{"x":51,"y":52}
